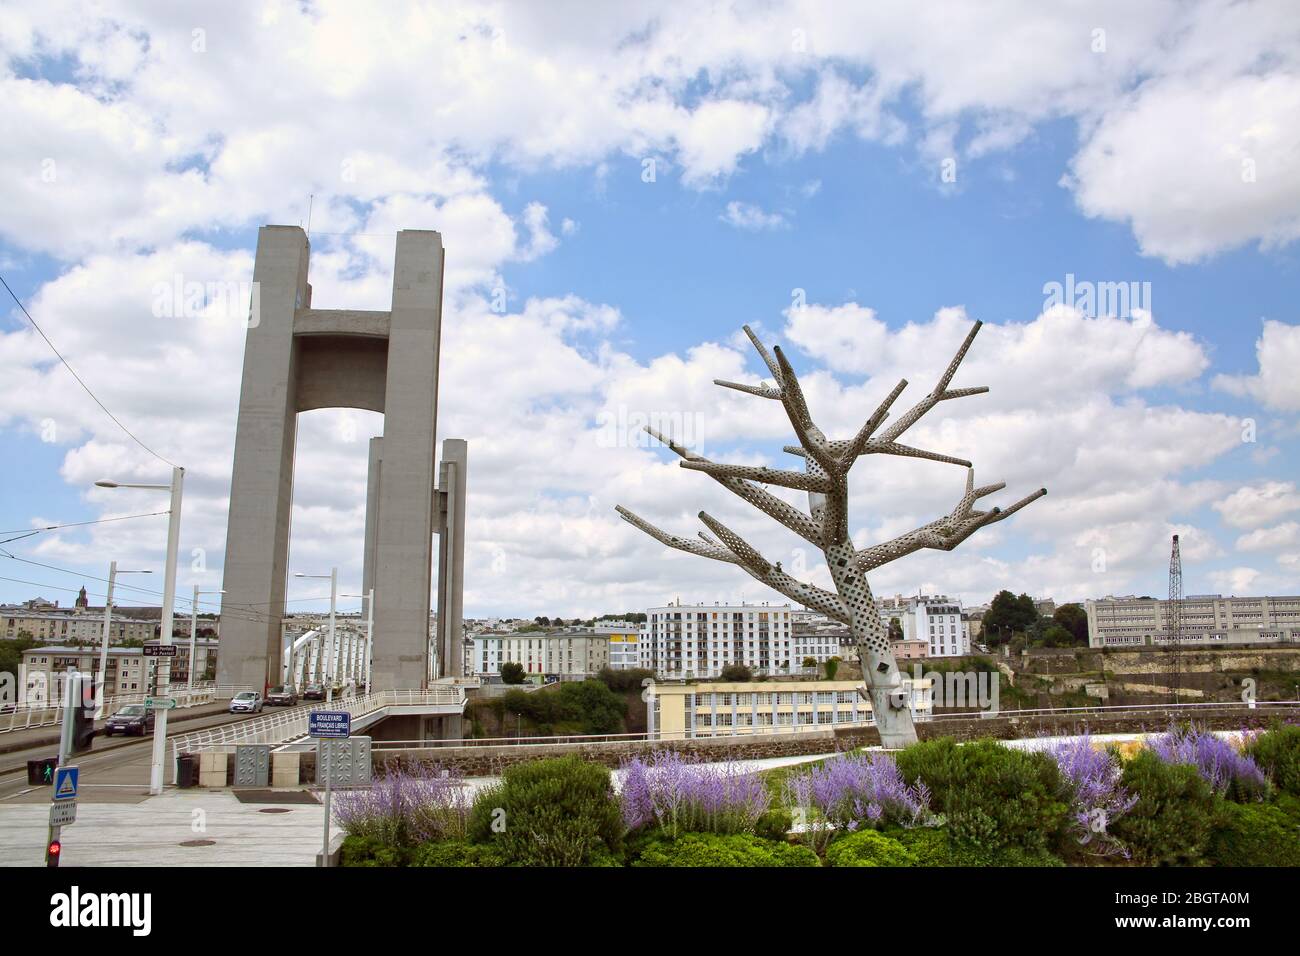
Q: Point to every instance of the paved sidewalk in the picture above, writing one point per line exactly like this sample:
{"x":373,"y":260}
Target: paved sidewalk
{"x":151,"y":833}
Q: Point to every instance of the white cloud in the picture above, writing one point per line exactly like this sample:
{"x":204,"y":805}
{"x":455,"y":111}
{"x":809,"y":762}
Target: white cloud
{"x":747,"y":216}
{"x":1277,"y":384}
{"x":1269,"y":539}
{"x":1255,"y":505}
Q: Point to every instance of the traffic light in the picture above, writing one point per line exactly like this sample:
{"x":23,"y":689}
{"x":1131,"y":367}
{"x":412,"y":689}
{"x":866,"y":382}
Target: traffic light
{"x":83,"y":720}
{"x":52,"y":853}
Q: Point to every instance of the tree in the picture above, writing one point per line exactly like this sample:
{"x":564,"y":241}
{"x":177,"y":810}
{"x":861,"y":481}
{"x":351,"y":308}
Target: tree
{"x":1007,"y":615}
{"x":512,"y":672}
{"x":810,"y":662}
{"x":832,"y":668}
{"x":543,"y":621}
{"x":1074,"y":619}
{"x":895,"y":629}
{"x":1054,"y":635}
{"x":736,"y":674}
{"x":825,"y":524}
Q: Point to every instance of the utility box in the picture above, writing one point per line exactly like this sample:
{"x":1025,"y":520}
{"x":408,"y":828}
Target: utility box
{"x":252,"y":765}
{"x":348,"y":759}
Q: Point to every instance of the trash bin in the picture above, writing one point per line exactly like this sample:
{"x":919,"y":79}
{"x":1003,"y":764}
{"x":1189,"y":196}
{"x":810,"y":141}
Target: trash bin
{"x":187,"y":771}
{"x":41,"y":772}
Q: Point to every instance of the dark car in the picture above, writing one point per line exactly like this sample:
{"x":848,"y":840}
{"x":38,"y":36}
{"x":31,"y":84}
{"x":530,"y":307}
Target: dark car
{"x":132,"y":719}
{"x":281,"y":696}
{"x":314,"y":692}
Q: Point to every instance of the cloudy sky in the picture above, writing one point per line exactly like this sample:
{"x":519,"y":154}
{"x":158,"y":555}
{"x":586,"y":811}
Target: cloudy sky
{"x":620,"y":187}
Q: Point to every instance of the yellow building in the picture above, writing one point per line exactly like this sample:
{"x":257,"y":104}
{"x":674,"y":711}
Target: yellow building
{"x":681,"y":711}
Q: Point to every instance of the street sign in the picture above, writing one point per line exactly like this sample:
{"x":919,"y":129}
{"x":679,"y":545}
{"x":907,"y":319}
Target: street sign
{"x":329,"y":723}
{"x":63,"y":814}
{"x":159,"y":650}
{"x":65,"y":782}
{"x":160,"y":703}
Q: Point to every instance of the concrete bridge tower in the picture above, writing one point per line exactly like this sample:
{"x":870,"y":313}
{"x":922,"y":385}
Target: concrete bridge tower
{"x":298,"y":358}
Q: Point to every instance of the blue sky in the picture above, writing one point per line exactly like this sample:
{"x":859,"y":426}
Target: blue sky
{"x":137,"y":157}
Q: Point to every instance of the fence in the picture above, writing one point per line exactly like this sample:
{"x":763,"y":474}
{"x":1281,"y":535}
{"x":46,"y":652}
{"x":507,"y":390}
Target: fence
{"x":28,"y":716}
{"x":289,"y":725}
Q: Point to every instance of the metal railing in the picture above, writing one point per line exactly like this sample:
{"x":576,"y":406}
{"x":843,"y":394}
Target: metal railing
{"x":291,"y":724}
{"x":32,"y":716}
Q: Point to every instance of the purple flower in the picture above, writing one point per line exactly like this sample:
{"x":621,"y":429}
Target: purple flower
{"x":1228,"y":770}
{"x":683,"y":795}
{"x":406,"y":806}
{"x":1091,"y":778}
{"x":850,"y":791}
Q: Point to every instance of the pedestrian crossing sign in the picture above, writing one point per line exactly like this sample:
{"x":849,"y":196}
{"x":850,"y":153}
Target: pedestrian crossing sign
{"x":65,"y":783}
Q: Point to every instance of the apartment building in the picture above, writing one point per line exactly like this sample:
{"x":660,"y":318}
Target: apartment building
{"x":571,"y":653}
{"x":1208,"y":620}
{"x":128,"y":670}
{"x":624,"y":643}
{"x":935,"y":620}
{"x":680,"y":711}
{"x":699,"y":640}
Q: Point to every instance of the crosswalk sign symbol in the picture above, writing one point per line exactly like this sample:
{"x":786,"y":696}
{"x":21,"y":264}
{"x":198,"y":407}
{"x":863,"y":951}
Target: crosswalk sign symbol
{"x":65,"y":783}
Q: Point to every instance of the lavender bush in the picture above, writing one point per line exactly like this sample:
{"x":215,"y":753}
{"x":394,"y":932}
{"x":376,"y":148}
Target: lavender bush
{"x":856,"y":790}
{"x":405,"y":807}
{"x":683,"y":796}
{"x":1229,"y":771}
{"x":1092,"y":779}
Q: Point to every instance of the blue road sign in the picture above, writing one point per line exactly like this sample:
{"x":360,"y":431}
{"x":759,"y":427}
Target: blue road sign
{"x":329,"y":723}
{"x":65,"y":783}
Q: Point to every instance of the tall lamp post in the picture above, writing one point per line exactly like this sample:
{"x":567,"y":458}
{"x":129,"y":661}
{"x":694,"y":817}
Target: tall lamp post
{"x":169,"y":600}
{"x":369,"y":598}
{"x":113,"y":572}
{"x":334,"y":598}
{"x":194,"y":630}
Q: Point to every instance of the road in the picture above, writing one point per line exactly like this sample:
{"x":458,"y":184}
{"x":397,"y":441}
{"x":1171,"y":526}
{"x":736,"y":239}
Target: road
{"x":114,"y":770}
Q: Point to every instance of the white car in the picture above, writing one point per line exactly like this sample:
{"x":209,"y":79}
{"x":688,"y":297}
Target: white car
{"x":246,"y":702}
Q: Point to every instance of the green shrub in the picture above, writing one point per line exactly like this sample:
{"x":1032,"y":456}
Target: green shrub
{"x":1277,"y":751}
{"x":991,"y":796}
{"x":933,"y":846}
{"x":1255,"y":834}
{"x":774,"y":824}
{"x":1175,"y":814}
{"x":368,"y":851}
{"x":453,"y":853}
{"x":559,"y":812}
{"x":868,"y":848}
{"x":733,"y":849}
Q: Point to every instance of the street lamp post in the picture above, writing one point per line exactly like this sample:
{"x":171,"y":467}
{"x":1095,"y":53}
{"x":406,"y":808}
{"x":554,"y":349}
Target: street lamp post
{"x":113,"y":572}
{"x":334,"y":598}
{"x":194,"y":629}
{"x":169,"y":599}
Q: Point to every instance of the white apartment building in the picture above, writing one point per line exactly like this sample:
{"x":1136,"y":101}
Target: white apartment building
{"x":699,"y":640}
{"x":934,"y":619}
{"x":1208,"y":620}
{"x":563,"y":653}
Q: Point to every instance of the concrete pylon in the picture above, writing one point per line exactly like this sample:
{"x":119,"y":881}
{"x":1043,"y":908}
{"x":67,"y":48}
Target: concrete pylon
{"x":449,"y":525}
{"x":298,"y":358}
{"x":451,"y":556}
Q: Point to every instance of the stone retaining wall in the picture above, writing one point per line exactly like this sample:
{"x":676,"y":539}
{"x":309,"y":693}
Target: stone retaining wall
{"x":484,"y":762}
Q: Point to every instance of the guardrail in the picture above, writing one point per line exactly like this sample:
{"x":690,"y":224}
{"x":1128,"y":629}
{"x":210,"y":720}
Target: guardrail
{"x":290,"y":724}
{"x":31,"y":716}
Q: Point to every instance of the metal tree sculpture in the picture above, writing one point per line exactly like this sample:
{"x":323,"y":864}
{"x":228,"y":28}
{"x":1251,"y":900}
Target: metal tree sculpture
{"x":825,"y":479}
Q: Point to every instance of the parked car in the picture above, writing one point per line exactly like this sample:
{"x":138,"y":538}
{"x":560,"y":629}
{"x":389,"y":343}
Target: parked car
{"x":282,"y":696}
{"x":246,"y":702}
{"x":132,"y":719}
{"x":314,"y":692}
